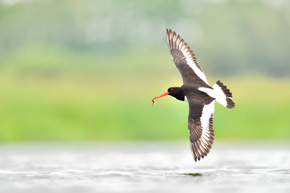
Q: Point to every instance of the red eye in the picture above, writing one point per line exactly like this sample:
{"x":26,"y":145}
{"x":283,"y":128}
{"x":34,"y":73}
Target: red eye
{"x":171,"y":89}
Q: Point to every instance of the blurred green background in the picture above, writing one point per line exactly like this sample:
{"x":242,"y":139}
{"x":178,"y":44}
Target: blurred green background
{"x":87,"y":69}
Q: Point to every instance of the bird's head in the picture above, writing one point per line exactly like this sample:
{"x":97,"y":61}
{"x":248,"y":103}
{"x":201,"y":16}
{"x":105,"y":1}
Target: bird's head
{"x":176,"y":92}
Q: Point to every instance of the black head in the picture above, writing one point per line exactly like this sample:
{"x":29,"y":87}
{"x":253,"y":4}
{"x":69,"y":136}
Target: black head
{"x":176,"y":92}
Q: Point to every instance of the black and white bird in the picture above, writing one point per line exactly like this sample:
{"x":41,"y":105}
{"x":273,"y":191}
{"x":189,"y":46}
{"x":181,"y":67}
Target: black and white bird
{"x":197,"y":92}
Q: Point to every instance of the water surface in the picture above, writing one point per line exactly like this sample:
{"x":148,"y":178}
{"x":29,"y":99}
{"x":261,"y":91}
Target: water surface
{"x":144,"y":167}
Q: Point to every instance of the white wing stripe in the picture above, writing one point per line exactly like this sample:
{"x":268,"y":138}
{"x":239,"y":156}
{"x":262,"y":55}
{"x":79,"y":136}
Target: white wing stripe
{"x":204,"y":119}
{"x":191,"y":63}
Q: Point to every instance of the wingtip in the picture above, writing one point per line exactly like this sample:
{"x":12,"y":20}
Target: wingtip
{"x":170,"y":33}
{"x":169,"y":37}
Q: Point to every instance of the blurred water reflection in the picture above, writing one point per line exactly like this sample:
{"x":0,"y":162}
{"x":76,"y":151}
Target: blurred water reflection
{"x":144,"y":167}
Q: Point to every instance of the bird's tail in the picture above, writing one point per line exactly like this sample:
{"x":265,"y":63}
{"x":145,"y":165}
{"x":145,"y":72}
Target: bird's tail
{"x":223,"y":95}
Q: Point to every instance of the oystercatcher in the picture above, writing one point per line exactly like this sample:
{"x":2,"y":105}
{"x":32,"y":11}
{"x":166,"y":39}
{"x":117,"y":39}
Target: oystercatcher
{"x":197,"y":92}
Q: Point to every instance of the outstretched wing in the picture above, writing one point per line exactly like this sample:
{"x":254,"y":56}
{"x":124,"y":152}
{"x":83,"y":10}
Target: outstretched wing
{"x":200,"y":125}
{"x":185,"y":60}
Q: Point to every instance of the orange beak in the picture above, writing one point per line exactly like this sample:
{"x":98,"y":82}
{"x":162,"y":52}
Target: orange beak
{"x":159,"y":96}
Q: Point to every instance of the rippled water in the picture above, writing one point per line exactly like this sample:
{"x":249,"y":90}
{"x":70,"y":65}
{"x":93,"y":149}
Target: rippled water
{"x":144,"y":167}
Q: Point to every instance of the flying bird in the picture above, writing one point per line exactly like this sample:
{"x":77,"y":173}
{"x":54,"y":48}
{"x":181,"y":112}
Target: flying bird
{"x":200,"y":96}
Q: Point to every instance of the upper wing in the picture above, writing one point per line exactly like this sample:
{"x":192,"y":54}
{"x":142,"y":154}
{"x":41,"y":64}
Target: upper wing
{"x":185,"y":60}
{"x":200,"y":125}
